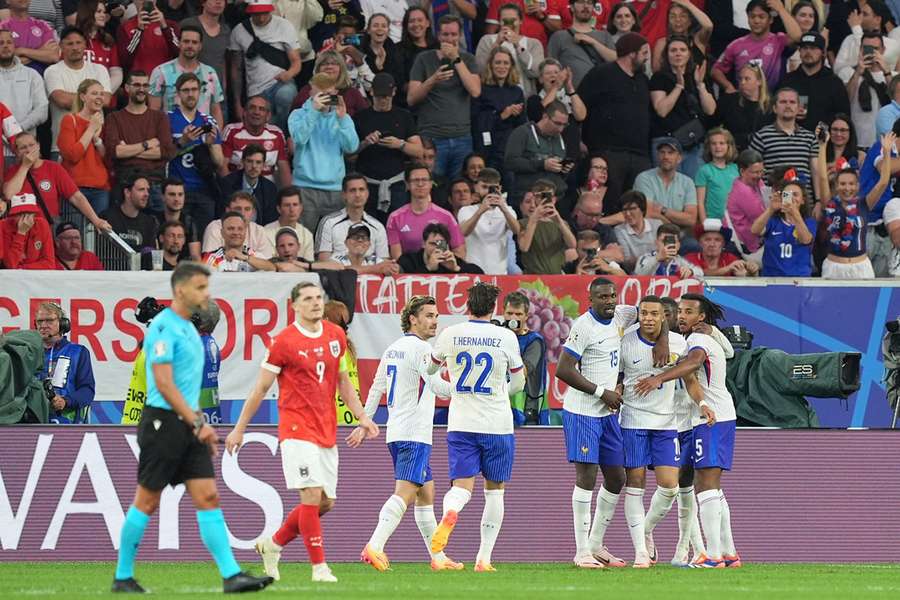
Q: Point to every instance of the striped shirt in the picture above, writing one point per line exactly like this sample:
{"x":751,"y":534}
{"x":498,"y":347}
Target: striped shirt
{"x":656,"y":410}
{"x":235,"y":138}
{"x":780,"y":149}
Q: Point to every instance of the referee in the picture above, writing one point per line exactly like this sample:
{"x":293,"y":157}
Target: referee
{"x":176,"y":445}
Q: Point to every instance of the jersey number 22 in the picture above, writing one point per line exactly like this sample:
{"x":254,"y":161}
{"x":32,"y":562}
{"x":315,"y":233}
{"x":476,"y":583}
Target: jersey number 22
{"x":483,"y":360}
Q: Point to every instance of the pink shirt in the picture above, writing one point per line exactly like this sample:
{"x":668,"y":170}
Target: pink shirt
{"x":405,"y":227}
{"x":30,"y":33}
{"x":744,"y":205}
{"x":744,"y":49}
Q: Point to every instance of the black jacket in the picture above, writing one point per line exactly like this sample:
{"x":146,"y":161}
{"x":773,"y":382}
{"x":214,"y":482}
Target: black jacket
{"x":826,"y":92}
{"x":414,"y":262}
{"x":266,"y":194}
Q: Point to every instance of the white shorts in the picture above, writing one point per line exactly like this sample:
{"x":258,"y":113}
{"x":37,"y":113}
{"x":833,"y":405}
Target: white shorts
{"x":307,"y":465}
{"x":835,"y":270}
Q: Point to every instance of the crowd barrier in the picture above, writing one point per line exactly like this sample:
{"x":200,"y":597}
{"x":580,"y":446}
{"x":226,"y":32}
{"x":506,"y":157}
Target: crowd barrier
{"x":803,"y":496}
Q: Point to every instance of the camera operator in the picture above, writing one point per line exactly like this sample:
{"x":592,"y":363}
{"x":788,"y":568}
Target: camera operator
{"x":68,"y":374}
{"x":530,"y":405}
{"x":589,"y":261}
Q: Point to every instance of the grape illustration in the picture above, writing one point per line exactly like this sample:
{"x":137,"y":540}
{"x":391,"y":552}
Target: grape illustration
{"x":547,"y":315}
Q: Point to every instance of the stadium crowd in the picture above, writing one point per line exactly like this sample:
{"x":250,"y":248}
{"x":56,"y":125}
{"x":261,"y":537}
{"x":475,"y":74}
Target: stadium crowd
{"x":671,"y":137}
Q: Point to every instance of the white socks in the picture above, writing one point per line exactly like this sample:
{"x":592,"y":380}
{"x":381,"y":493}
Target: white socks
{"x":710,"y":503}
{"x":388,"y":519}
{"x":660,"y":505}
{"x":427,"y":524}
{"x":491,"y":520}
{"x":581,"y":514}
{"x":727,"y":539}
{"x":688,"y":523}
{"x":634,"y":516}
{"x":455,"y":499}
{"x":606,"y":507}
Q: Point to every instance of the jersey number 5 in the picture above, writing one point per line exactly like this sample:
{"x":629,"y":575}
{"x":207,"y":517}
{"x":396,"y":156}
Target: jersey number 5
{"x":486,"y":361}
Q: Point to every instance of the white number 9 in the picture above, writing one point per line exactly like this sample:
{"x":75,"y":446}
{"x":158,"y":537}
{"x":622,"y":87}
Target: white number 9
{"x":320,"y":370}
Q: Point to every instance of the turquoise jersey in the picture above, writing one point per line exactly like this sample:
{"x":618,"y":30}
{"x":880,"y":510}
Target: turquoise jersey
{"x":175,"y":341}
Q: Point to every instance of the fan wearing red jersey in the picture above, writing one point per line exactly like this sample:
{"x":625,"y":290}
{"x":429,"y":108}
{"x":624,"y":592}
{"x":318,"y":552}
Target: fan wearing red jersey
{"x":306,"y":359}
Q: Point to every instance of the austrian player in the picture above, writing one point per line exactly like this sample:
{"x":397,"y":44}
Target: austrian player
{"x":305,"y":357}
{"x":402,"y":376}
{"x":485,"y":368}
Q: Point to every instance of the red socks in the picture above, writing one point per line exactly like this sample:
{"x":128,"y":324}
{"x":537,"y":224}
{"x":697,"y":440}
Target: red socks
{"x":304,"y":518}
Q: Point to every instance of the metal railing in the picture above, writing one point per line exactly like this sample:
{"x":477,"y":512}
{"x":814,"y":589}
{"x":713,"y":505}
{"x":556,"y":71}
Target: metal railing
{"x":114,"y":252}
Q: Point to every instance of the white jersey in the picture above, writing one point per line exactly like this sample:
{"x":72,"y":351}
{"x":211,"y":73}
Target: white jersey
{"x":685,"y":408}
{"x":656,"y":410}
{"x":403,"y":376}
{"x":595,"y":343}
{"x":712,"y":378}
{"x":480,"y":357}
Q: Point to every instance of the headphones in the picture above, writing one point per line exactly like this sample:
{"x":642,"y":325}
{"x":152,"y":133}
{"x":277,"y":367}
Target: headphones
{"x":65,"y":324}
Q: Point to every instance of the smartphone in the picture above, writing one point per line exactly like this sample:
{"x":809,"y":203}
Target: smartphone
{"x":568,"y":163}
{"x":509,"y":23}
{"x":669,"y":240}
{"x":822,"y":132}
{"x":868,"y":50}
{"x":332,"y":99}
{"x":446,"y":63}
{"x":494,"y":189}
{"x":148,"y":7}
{"x":545,"y":197}
{"x":206,"y":128}
{"x":787,"y":198}
{"x":354,"y":40}
{"x":590,"y":254}
{"x":441,"y":245}
{"x":804,"y":101}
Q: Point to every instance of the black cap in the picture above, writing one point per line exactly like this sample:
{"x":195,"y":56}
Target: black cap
{"x":359,"y":230}
{"x":812,"y":38}
{"x":383,"y":85}
{"x":66,"y":226}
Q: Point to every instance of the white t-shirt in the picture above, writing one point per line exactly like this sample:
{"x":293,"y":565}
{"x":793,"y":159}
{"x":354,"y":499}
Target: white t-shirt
{"x":480,"y":357}
{"x":595,"y":343}
{"x":259,"y":72}
{"x":712,"y":378}
{"x":486,"y":246}
{"x":59,"y":76}
{"x":656,"y":410}
{"x":303,"y":234}
{"x":403,"y":376}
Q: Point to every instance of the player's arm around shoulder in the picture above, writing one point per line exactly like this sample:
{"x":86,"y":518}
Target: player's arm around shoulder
{"x":438,"y":354}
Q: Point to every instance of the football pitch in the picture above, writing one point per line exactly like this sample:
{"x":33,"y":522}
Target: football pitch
{"x":520,"y":580}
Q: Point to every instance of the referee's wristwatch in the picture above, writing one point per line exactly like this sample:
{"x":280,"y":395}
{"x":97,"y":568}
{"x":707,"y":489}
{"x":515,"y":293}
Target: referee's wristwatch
{"x":198,"y":424}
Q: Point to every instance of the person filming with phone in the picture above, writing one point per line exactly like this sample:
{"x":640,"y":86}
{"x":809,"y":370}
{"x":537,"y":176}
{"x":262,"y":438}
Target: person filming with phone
{"x":665,"y":260}
{"x":435,"y":255}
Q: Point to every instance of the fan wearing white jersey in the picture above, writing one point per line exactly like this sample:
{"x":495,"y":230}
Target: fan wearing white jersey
{"x":713,"y":444}
{"x":589,"y":365}
{"x":649,"y":427}
{"x":402,"y":376}
{"x":485,"y":369}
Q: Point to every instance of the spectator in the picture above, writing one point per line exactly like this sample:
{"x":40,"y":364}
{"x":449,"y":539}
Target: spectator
{"x":199,"y":151}
{"x":586,"y":216}
{"x":499,"y":109}
{"x":884,"y":122}
{"x":322,"y":132}
{"x":462,"y":193}
{"x":331,"y":63}
{"x":537,"y":151}
{"x":173,"y":210}
{"x":393,"y":12}
{"x":532,"y":408}
{"x":81,"y":147}
{"x":27,"y":242}
{"x":665,"y":261}
{"x":440,"y":185}
{"x":289,"y":257}
{"x":685,"y":20}
{"x":242,"y":203}
{"x":347,"y":45}
{"x":70,"y":255}
{"x":745,"y":202}
{"x":92,"y":19}
{"x":139,"y":139}
{"x":164,"y":76}
{"x":872,"y":17}
{"x":21,"y":91}
{"x":842,"y":143}
{"x":435,"y":255}
{"x":63,"y":78}
{"x":36,"y":43}
{"x":595,"y":181}
{"x":215,"y":35}
{"x":324,"y":30}
{"x":233,"y":255}
{"x":67,"y":365}
{"x":171,"y":241}
{"x":383,"y":54}
{"x":273,"y":63}
{"x":556,"y":84}
{"x":716,"y":177}
{"x":541,"y":18}
{"x":787,"y":233}
{"x":636,"y":236}
{"x":405,"y":225}
{"x":527,"y":52}
{"x":811,"y":20}
{"x":56,"y":184}
{"x":417,"y":37}
{"x":617,"y":98}
{"x":443,"y":82}
{"x":546,"y":243}
{"x":867,"y":86}
{"x":359,"y":257}
{"x":712,"y":258}
{"x":249,"y":178}
{"x":147,"y":39}
{"x":760,"y":45}
{"x":486,"y":224}
{"x":823,"y":90}
{"x":785,"y":143}
{"x":9,"y":129}
{"x":672,"y":192}
{"x":878,"y":244}
{"x":305,"y":15}
{"x":128,"y":219}
{"x":581,"y":47}
{"x":472,"y":166}
{"x":745,"y":110}
{"x":388,"y":138}
{"x":333,"y":228}
{"x":289,"y":206}
{"x":255,"y":129}
{"x":589,"y":261}
{"x":623,"y":18}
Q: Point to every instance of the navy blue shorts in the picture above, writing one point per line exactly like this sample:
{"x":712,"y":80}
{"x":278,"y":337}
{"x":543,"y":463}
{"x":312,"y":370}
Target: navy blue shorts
{"x":644,"y":447}
{"x":686,"y":448}
{"x":714,"y":446}
{"x":593,"y":440}
{"x":412,"y":461}
{"x":490,"y":454}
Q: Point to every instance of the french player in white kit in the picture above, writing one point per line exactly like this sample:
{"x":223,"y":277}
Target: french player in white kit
{"x":713,"y":445}
{"x":589,"y":365}
{"x":402,"y":376}
{"x":649,"y":426}
{"x":485,"y":369}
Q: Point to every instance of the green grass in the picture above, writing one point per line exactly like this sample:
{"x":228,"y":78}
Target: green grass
{"x":414,"y":581}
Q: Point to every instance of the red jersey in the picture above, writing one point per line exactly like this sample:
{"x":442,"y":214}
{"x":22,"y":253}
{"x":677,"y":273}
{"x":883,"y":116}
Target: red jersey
{"x":55,"y":183}
{"x":147,"y":49}
{"x":307,"y":365}
{"x":726,"y":258}
{"x":33,"y":250}
{"x":99,"y":53}
{"x":531,"y":27}
{"x":87,"y":261}
{"x":235,"y":138}
{"x":655,"y":21}
{"x":602,"y":9}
